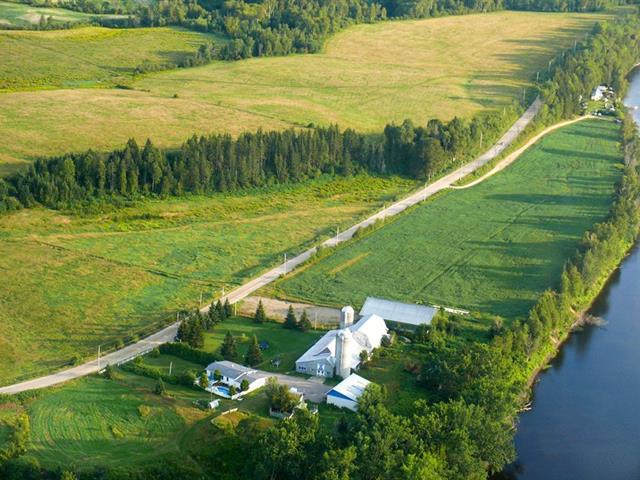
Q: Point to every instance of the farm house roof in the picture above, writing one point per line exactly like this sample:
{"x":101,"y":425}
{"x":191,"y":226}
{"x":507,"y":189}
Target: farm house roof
{"x":408,"y":313}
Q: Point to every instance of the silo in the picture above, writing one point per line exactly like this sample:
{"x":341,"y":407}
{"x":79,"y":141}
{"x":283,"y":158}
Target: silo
{"x":346,"y":317}
{"x":343,"y":353}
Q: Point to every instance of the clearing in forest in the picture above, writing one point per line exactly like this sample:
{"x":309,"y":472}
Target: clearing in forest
{"x":367,"y":76}
{"x":491,"y":248}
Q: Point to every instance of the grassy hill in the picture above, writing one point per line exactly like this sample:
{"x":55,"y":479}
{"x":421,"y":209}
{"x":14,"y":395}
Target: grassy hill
{"x":22,"y":15}
{"x":493,"y":247}
{"x":90,"y":56}
{"x":367,"y":76}
{"x":72,"y":282}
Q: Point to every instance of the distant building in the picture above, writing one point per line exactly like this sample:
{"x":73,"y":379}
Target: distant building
{"x":347,"y":392}
{"x":232,"y":375}
{"x":338,"y":351}
{"x":402,"y":316}
{"x":598,"y":92}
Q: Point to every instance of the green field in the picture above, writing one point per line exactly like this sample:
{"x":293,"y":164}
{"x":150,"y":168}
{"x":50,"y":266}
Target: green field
{"x":72,"y":282}
{"x":367,"y":76}
{"x":285,"y":344}
{"x":22,"y":15}
{"x":491,"y":248}
{"x":90,"y":56}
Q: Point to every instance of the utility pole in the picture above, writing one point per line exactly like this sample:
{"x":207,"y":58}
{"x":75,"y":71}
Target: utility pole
{"x":170,"y":367}
{"x":337,"y":233}
{"x":549,"y":66}
{"x":524,"y":94}
{"x":285,"y":263}
{"x":537,"y":76}
{"x":200,"y":299}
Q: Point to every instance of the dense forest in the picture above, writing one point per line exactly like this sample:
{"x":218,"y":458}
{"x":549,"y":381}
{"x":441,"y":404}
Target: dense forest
{"x":270,"y":27}
{"x":220,"y":163}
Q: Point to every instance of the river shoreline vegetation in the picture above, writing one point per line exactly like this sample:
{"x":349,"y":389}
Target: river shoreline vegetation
{"x":466,"y":376}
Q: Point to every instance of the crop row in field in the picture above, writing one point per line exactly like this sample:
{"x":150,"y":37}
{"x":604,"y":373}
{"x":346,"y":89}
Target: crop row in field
{"x":493,"y":247}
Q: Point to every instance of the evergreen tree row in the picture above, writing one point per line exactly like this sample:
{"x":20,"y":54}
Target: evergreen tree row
{"x":220,"y":163}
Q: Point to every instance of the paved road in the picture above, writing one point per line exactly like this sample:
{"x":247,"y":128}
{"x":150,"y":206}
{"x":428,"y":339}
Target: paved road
{"x":413,"y":199}
{"x":248,"y":288}
{"x":126,"y":353}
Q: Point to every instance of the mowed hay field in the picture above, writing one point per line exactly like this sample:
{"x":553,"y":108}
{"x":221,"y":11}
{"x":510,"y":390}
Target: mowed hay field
{"x":493,"y":247}
{"x":96,"y":422}
{"x":73,"y":282}
{"x":89,"y":56}
{"x":367,"y":76}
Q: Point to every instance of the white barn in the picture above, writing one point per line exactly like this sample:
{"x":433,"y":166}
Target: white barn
{"x":338,"y":351}
{"x":404,"y":316}
{"x":347,"y":392}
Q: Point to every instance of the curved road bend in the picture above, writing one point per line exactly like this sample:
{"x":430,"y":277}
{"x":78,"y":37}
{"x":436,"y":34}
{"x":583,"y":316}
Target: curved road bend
{"x":243,"y":291}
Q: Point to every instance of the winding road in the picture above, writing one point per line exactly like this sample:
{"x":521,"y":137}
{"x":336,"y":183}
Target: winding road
{"x":168,"y":333}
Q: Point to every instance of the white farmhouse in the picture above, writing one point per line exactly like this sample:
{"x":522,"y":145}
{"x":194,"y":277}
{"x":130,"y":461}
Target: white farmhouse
{"x":598,"y":92}
{"x":338,"y":351}
{"x":347,"y":392}
{"x":232,"y":375}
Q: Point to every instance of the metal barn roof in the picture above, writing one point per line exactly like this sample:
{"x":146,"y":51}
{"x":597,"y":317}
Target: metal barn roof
{"x":408,"y":313}
{"x":350,"y":388}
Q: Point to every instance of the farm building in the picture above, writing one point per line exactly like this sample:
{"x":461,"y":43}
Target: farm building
{"x":598,"y":92}
{"x":347,"y":392}
{"x":232,"y":374}
{"x":338,"y":351}
{"x":403,"y":316}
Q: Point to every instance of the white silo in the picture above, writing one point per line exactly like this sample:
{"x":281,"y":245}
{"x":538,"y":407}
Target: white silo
{"x":343,"y":353}
{"x":346,"y":317}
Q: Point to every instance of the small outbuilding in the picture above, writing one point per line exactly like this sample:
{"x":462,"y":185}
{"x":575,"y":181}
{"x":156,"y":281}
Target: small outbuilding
{"x":399,"y":315}
{"x":347,"y":392}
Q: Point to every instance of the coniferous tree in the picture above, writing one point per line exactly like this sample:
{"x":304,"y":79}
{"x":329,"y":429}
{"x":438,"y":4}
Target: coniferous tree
{"x":260,"y":315}
{"x":254,"y":354}
{"x":229,"y":349}
{"x":220,"y":310}
{"x":305,"y":323}
{"x":290,"y":321}
{"x":228,"y":310}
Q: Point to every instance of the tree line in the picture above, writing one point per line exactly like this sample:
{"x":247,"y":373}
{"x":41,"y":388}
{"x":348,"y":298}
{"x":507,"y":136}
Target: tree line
{"x":220,"y":163}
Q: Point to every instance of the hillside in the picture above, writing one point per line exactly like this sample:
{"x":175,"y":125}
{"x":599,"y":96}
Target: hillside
{"x":367,"y":76}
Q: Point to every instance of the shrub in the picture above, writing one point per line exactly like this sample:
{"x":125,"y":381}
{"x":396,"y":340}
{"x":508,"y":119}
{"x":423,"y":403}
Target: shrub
{"x":144,"y":410}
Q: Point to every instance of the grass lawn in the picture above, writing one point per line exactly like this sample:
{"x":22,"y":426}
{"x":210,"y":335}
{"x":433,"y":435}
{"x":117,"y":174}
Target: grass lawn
{"x":178,"y":365}
{"x":89,"y":56}
{"x":22,"y":15}
{"x":285,"y":344}
{"x":72,"y":282}
{"x":367,"y":76}
{"x":94,"y":421}
{"x":492,"y":248}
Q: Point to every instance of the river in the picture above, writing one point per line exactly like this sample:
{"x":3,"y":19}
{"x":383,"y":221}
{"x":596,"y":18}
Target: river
{"x":585,"y":420}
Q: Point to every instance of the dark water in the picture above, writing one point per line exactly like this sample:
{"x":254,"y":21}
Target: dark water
{"x":585,"y":421}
